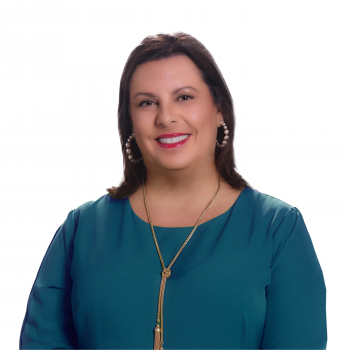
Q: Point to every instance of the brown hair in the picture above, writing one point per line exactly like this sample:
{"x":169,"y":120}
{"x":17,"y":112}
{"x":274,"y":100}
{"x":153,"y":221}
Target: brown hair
{"x":158,"y":47}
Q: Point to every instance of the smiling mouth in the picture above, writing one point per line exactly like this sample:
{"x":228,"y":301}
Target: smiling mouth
{"x":172,"y":140}
{"x":172,"y":144}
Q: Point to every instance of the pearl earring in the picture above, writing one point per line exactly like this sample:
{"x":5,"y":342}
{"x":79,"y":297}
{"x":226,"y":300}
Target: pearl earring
{"x":130,"y":157}
{"x":224,"y":142}
{"x":128,"y":150}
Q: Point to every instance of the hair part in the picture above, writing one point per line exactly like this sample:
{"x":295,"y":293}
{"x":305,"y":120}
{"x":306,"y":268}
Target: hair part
{"x":158,"y":47}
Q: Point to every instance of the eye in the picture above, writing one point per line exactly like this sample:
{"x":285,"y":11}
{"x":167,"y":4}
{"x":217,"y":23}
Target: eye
{"x":145,"y":101}
{"x":141,"y":104}
{"x":187,"y":96}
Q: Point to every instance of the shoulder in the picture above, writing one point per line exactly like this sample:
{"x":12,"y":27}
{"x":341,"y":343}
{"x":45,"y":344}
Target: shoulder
{"x":268,"y":211}
{"x":280,"y":219}
{"x":266,"y":203}
{"x":274,"y":219}
{"x":95,"y":208}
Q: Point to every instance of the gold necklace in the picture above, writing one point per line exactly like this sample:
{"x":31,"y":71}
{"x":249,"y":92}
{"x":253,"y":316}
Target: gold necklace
{"x":159,"y":330}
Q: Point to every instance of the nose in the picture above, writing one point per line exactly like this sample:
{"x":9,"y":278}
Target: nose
{"x":166,"y":115}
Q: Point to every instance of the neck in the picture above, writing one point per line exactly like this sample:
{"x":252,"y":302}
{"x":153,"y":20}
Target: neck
{"x":182,"y":185}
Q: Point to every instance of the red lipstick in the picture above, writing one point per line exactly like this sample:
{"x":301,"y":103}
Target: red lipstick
{"x":172,"y":145}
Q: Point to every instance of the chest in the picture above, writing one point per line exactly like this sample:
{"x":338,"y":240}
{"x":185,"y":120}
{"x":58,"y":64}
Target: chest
{"x":216,"y":288}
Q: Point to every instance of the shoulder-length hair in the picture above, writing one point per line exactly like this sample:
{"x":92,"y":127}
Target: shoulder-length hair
{"x":158,"y":47}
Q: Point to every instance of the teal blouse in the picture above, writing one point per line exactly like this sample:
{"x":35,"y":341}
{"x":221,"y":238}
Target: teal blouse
{"x":247,"y":279}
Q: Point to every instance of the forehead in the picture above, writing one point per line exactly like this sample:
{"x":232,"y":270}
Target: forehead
{"x":169,"y":72}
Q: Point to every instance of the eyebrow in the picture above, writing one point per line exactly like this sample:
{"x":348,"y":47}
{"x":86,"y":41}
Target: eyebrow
{"x":173,"y":93}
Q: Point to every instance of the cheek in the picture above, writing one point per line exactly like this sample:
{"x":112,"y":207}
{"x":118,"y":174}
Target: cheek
{"x":206,"y":125}
{"x":201,"y":119}
{"x":146,"y":141}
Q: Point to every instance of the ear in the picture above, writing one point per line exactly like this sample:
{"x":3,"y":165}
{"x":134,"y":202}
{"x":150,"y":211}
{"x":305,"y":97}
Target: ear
{"x":219,"y":118}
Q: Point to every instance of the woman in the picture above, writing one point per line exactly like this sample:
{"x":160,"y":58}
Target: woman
{"x":184,"y":254}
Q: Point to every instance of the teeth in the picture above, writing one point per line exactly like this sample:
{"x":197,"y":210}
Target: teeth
{"x":173,"y":139}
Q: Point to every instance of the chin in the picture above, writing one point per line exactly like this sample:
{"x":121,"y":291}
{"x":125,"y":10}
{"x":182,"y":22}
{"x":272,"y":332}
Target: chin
{"x":170,"y":164}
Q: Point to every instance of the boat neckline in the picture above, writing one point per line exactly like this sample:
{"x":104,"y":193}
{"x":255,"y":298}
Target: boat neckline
{"x":187,"y":227}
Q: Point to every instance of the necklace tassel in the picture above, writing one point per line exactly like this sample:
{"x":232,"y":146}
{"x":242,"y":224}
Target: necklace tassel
{"x":157,"y":338}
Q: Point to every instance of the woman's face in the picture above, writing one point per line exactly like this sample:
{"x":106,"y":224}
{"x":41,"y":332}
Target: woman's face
{"x":159,"y":104}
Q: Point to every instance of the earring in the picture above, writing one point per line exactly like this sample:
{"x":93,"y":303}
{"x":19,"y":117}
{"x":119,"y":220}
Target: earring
{"x":224,"y":142}
{"x":128,"y":151}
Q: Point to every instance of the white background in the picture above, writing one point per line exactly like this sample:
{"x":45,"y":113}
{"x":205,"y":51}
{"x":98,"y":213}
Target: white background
{"x":286,"y":64}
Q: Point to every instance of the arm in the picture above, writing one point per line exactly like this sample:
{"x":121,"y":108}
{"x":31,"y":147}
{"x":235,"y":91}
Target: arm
{"x":48,"y":322}
{"x":296,"y":296}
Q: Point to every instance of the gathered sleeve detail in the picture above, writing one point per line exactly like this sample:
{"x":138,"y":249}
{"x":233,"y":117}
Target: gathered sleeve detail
{"x":48,"y":322}
{"x":296,"y":297}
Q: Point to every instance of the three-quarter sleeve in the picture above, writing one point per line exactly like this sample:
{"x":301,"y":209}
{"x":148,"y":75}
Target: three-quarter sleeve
{"x":296,"y":296}
{"x":48,"y":322}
